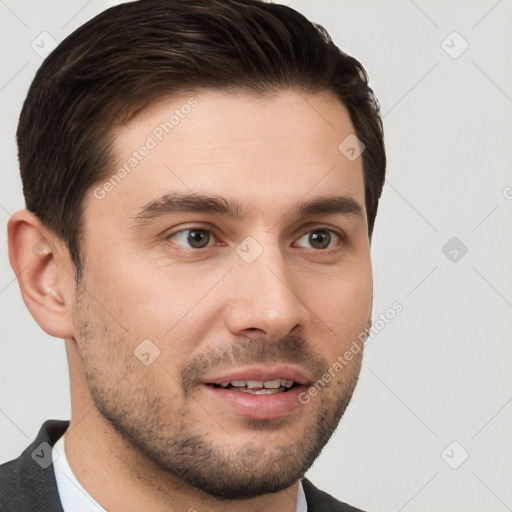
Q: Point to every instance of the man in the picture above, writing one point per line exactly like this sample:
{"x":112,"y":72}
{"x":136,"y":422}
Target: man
{"x":201,"y":180}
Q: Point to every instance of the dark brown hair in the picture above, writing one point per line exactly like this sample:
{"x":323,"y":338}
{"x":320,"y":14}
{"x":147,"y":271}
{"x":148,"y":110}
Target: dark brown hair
{"x":135,"y":53}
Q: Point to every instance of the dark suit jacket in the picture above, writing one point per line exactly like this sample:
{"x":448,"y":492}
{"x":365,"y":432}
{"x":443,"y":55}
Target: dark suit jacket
{"x":27,"y":484}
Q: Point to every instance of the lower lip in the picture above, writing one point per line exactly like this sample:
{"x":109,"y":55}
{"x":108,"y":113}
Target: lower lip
{"x":269,"y":406}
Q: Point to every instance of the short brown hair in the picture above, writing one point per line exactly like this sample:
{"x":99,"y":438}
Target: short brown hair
{"x":137,"y":52}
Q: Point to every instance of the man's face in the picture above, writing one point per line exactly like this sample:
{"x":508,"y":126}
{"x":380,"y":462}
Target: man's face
{"x":180,"y":297}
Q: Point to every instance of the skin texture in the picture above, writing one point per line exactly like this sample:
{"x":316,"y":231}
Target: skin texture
{"x":141,"y":433}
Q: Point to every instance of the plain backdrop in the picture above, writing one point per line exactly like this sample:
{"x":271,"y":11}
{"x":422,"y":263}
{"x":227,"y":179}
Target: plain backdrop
{"x":429,"y":427}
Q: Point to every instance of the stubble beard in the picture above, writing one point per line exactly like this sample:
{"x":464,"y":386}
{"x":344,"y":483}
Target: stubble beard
{"x":128,"y":396}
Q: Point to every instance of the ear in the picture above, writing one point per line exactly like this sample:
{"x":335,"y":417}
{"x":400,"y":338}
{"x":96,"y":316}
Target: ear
{"x":39,"y":260}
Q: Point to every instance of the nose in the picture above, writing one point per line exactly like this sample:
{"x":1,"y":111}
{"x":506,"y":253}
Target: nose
{"x":263,"y":299}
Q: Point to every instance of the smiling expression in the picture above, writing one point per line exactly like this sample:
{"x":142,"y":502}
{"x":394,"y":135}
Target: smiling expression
{"x":235,"y":252}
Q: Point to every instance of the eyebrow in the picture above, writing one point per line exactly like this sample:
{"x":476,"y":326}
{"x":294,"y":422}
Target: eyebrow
{"x":176,"y":203}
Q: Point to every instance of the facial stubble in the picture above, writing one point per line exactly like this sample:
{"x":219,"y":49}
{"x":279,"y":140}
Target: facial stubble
{"x":163,"y":428}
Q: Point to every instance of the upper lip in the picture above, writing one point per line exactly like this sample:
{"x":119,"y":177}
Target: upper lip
{"x":262,"y":373}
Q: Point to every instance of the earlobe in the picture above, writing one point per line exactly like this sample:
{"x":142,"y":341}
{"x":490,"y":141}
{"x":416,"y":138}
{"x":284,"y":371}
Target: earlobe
{"x":36,"y":257}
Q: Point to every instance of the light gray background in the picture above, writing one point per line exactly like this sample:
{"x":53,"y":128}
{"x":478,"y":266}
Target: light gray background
{"x":441,"y":371}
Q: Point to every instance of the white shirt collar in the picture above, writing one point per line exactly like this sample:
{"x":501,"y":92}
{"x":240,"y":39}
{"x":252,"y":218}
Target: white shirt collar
{"x":302,"y":505}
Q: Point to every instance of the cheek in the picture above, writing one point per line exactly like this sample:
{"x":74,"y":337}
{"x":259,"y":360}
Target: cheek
{"x":348,"y":291}
{"x":341,"y":310}
{"x":141,"y":302}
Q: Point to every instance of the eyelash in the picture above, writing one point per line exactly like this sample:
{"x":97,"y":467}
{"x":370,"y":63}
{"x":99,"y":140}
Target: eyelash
{"x":340,"y":235}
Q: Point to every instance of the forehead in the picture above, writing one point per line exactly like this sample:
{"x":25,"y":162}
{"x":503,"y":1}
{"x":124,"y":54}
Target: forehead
{"x":267,"y":151}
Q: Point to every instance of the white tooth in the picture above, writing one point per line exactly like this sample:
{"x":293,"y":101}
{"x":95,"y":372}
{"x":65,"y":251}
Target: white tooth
{"x":289,"y":383}
{"x":251,"y":384}
{"x":283,"y":382}
{"x":273,"y":384}
{"x":239,"y":383}
{"x":224,"y":384}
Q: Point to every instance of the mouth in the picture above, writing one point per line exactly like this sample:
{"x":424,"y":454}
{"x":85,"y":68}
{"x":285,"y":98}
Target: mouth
{"x":258,"y":393}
